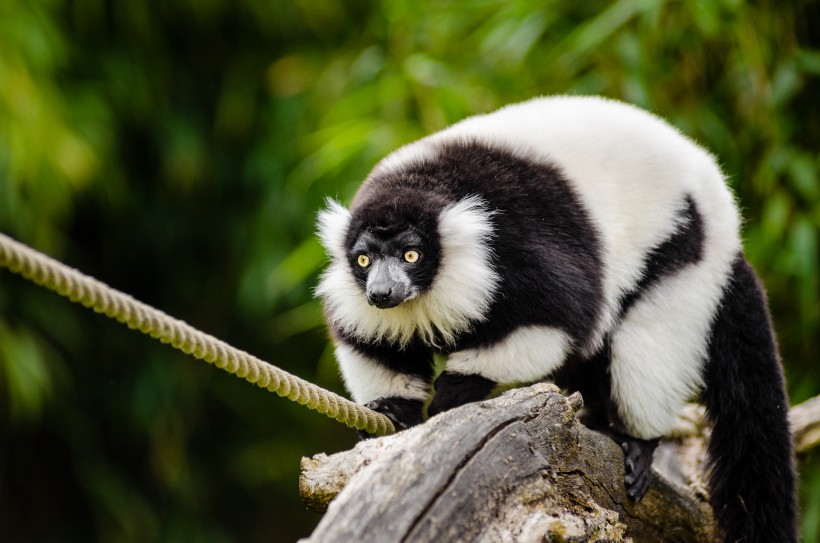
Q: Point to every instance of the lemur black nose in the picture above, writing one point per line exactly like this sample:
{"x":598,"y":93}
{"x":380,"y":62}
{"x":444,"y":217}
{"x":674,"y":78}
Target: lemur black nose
{"x":379,"y":296}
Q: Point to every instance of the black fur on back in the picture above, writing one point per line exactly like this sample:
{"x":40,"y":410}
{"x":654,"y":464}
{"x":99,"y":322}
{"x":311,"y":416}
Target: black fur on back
{"x":752,"y":480}
{"x":545,"y":246}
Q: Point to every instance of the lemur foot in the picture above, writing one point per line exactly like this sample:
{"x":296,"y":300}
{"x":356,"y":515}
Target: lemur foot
{"x":638,"y":465}
{"x":402,"y":412}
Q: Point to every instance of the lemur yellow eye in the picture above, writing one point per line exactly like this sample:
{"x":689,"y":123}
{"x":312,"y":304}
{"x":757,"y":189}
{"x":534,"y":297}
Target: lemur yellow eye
{"x":411,"y":256}
{"x":364,"y":261}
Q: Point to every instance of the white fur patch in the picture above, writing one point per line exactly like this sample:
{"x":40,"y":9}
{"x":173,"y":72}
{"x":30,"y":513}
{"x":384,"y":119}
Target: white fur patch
{"x":333,"y":224}
{"x":526,"y":355}
{"x":461,"y":292}
{"x":368,"y":380}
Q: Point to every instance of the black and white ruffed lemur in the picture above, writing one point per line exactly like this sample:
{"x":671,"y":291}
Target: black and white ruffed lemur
{"x":577,"y":239}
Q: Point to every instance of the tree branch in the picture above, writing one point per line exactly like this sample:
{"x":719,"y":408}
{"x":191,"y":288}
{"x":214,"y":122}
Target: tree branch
{"x":805,"y":423}
{"x":515,"y":468}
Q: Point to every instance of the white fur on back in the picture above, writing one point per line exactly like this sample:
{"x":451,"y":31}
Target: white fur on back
{"x":461,"y":292}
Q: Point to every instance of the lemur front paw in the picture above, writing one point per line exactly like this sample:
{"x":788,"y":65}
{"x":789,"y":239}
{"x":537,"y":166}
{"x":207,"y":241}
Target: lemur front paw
{"x":402,"y":412}
{"x":456,"y":389}
{"x":638,"y":455}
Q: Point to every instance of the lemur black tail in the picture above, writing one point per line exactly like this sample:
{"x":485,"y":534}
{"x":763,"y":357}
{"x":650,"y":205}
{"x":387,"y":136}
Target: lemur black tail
{"x":752,"y":477}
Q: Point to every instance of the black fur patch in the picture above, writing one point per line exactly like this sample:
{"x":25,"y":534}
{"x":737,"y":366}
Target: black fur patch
{"x":591,"y":377}
{"x":684,"y":247}
{"x":752,"y":478}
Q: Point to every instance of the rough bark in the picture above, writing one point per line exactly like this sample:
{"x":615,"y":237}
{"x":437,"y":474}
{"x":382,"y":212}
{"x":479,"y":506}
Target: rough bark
{"x":805,"y":422}
{"x":516,"y":468}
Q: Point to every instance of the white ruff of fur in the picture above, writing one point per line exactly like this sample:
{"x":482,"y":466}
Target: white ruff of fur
{"x":461,"y":292}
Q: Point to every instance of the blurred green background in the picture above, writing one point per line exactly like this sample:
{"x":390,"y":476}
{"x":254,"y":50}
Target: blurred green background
{"x":179,"y":151}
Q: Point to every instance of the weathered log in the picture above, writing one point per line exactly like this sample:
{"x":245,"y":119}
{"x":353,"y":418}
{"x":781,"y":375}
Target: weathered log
{"x":805,"y":423}
{"x":516,"y":468}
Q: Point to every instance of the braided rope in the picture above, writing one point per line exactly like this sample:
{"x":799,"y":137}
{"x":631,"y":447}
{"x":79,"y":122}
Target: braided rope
{"x":80,"y":288}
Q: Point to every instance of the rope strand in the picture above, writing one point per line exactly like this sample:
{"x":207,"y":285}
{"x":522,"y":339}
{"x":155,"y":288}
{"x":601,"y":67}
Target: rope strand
{"x":80,"y":288}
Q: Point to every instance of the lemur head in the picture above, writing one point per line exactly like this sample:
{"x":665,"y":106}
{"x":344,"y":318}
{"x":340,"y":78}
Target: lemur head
{"x":393,"y":251}
{"x":405,"y":265}
{"x":392,"y":266}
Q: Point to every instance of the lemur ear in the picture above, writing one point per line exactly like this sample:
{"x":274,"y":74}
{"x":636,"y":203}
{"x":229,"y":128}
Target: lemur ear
{"x":332,"y":229}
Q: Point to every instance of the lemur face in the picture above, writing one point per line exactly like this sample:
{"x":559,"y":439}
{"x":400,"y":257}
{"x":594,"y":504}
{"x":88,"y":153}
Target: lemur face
{"x":392,"y":266}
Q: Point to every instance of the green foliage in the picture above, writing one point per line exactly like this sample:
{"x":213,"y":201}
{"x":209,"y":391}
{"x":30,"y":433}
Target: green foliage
{"x":179,"y":151}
